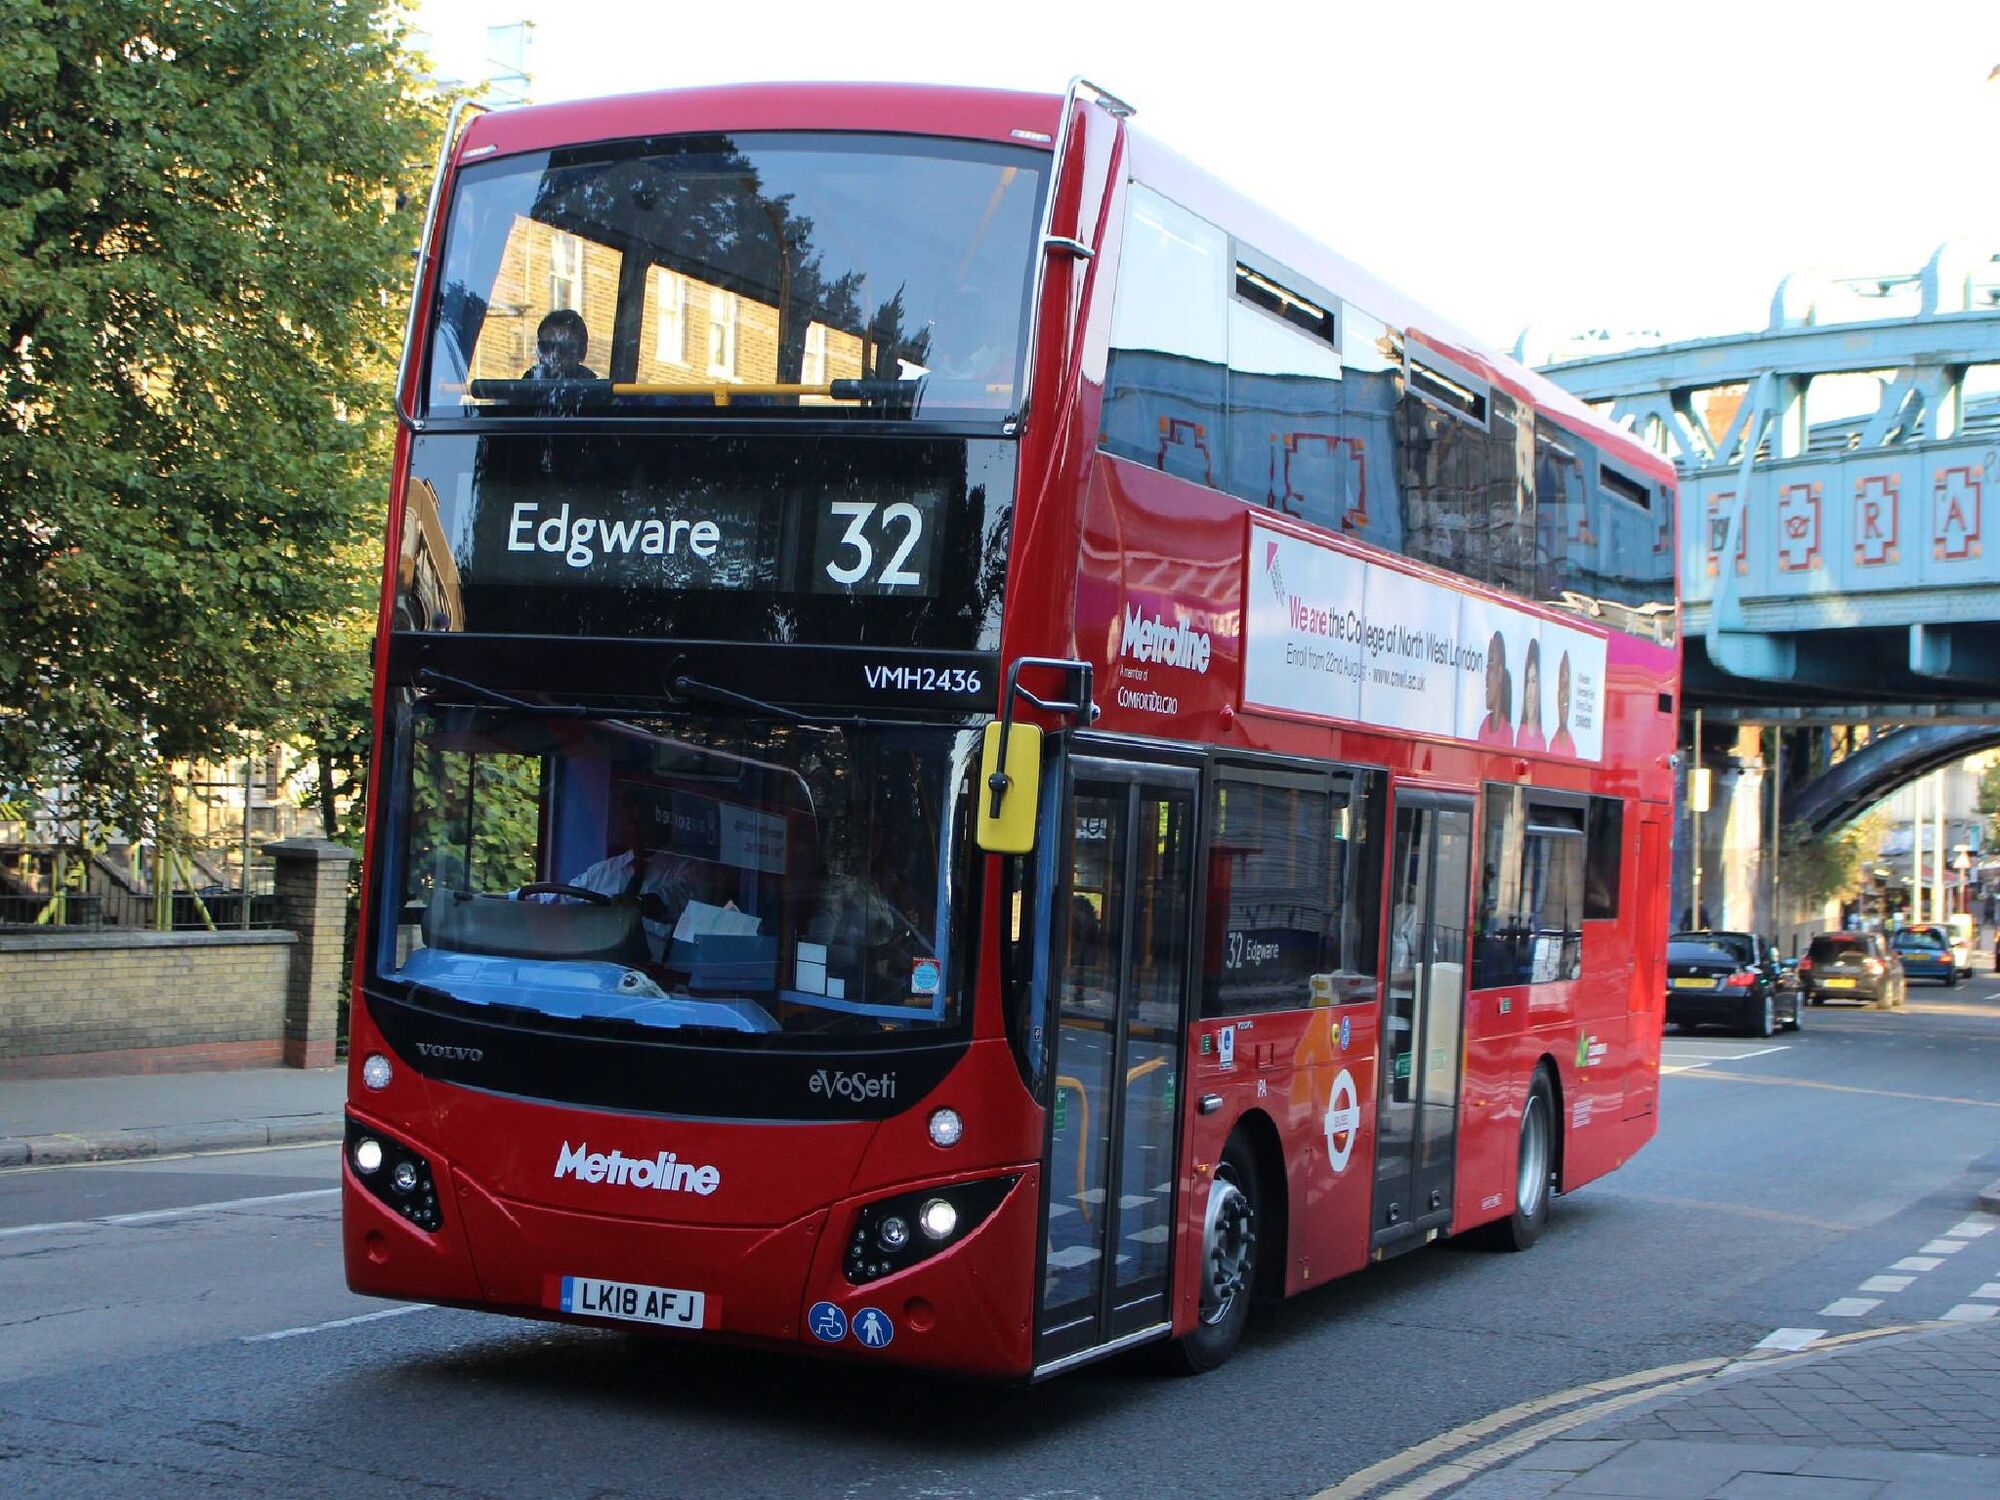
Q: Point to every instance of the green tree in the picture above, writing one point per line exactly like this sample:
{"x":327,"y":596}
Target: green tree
{"x":1819,"y":867}
{"x":206,"y":213}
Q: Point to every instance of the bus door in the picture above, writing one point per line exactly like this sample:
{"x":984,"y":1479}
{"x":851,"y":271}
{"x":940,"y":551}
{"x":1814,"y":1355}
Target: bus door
{"x":1109,"y":1170}
{"x":1423,"y":1021}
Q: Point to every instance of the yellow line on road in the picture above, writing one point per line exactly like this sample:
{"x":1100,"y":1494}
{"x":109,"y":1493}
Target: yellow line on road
{"x":1840,"y":1088}
{"x":1741,"y":1211}
{"x":1617,"y":1393}
{"x":1430,"y":1451}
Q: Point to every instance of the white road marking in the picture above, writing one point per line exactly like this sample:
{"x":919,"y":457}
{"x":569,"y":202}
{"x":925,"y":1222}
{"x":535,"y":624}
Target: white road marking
{"x":1850,"y":1307}
{"x":1885,"y":1283}
{"x":1698,"y":1060}
{"x":1991,"y":1289}
{"x":1790,"y":1338}
{"x":1918,"y":1263}
{"x":160,"y":1215}
{"x":374,"y":1317}
{"x":1970,"y":1312}
{"x":1944,"y":1247}
{"x":1969,"y":1229}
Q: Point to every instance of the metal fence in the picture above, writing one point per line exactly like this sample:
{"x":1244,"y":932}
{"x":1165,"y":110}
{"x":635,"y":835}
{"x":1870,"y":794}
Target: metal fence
{"x":136,"y":911}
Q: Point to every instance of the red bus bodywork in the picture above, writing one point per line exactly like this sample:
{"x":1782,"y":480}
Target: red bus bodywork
{"x":1091,"y":531}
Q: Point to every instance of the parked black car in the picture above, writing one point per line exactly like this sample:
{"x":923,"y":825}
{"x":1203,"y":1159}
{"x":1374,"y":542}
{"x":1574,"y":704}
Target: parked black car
{"x":1729,"y":979}
{"x":1853,"y":966}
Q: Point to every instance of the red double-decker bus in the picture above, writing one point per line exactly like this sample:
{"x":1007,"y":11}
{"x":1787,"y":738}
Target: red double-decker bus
{"x":985,"y":754}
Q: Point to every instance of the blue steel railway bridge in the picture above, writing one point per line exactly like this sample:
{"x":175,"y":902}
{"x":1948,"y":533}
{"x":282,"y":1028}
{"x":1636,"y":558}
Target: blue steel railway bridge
{"x":1839,"y":549}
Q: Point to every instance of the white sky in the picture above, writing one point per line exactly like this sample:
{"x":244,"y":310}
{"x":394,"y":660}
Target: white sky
{"x":1561,"y":166}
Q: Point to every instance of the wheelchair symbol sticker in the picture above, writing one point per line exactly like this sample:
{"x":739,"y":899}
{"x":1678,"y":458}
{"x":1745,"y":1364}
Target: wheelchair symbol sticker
{"x":828,"y":1323}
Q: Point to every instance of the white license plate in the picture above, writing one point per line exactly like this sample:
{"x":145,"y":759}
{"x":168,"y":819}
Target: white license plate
{"x":630,"y":1302}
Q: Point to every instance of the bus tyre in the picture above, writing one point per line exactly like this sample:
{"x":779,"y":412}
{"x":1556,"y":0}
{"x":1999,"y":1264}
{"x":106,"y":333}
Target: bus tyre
{"x":1535,"y":1170}
{"x":1228,"y":1269}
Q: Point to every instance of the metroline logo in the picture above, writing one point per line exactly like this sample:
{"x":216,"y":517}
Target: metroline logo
{"x":664,"y":1172}
{"x":1175,"y":645}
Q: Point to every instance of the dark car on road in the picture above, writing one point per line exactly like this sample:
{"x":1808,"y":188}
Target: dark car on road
{"x":1925,"y":950}
{"x":1729,"y":979}
{"x":1853,"y":966}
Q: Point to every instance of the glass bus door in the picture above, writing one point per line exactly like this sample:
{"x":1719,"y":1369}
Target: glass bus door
{"x":1121,"y":988}
{"x":1423,"y":1022}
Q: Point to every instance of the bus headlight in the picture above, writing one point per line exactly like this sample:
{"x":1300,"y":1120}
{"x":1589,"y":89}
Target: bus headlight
{"x":939,"y":1218}
{"x":885,"y":1239}
{"x":376,"y":1072}
{"x":946,"y":1127}
{"x":408,"y":1187}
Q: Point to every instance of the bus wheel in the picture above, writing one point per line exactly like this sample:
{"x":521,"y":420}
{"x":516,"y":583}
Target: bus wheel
{"x":1228,"y":1262}
{"x":1536,"y":1170}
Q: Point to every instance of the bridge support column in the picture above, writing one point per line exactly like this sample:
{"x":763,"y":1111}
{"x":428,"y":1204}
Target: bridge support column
{"x":1735,"y":886}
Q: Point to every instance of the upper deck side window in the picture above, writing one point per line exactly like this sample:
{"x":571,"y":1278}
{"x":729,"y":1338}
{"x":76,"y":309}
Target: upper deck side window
{"x":1234,"y":371}
{"x":708,"y":275}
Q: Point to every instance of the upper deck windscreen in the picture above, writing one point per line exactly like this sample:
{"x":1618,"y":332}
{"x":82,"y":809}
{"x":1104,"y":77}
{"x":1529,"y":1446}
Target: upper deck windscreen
{"x":768,"y":274}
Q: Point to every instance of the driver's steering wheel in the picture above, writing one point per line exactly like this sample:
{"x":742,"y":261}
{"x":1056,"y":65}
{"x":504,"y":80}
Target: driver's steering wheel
{"x":557,"y":888}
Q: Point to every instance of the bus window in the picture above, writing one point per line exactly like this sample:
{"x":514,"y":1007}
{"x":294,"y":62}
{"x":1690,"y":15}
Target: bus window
{"x":1532,"y":889}
{"x":1293,"y":907}
{"x":1163,"y":389}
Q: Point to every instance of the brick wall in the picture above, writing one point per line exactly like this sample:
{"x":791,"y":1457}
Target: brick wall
{"x":120,"y":1002}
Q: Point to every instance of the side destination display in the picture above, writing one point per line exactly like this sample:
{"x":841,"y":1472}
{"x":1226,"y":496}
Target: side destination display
{"x":1332,"y":636}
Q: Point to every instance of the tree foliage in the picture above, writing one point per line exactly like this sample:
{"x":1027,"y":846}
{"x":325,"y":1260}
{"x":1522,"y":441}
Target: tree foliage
{"x":1820,"y":867}
{"x":206,"y":213}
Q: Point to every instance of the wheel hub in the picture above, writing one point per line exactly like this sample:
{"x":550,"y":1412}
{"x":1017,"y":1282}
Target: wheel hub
{"x":1229,"y":1247}
{"x":1534,"y":1175}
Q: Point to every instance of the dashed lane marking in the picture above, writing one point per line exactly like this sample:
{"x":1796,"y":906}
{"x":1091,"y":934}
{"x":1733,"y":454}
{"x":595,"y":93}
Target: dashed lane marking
{"x":1943,"y":1247}
{"x":1886,"y":1283}
{"x":1790,"y":1339}
{"x":1969,"y":1229}
{"x":161,"y":1215}
{"x":1917,"y":1263}
{"x":374,"y":1317}
{"x":1970,"y":1312}
{"x":1850,"y":1307}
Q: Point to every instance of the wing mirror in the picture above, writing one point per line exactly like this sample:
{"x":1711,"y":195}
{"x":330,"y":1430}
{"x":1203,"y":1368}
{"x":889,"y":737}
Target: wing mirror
{"x":1010,"y":760}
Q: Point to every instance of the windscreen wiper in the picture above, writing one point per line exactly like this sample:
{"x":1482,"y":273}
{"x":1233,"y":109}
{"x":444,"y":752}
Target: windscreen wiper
{"x":708,"y":692}
{"x":693,"y":687}
{"x":505,"y":700}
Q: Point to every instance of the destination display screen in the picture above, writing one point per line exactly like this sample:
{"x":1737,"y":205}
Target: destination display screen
{"x":829,"y":540}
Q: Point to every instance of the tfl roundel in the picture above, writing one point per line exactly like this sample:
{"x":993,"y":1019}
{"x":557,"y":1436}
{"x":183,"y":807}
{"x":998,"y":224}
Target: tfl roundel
{"x":1343,"y":1118}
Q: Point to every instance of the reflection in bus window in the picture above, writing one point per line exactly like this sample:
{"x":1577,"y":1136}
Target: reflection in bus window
{"x":1292,"y":905}
{"x":1532,"y":889}
{"x":699,"y":264}
{"x":731,"y":879}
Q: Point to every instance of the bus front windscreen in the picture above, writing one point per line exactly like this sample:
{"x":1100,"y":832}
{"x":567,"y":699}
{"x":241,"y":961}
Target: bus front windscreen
{"x":762,"y":274}
{"x":715,"y":882}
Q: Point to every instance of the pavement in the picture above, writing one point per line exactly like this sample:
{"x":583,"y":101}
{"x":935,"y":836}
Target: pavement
{"x":1900,"y":1414}
{"x":60,"y":1121}
{"x":1911,"y":1415}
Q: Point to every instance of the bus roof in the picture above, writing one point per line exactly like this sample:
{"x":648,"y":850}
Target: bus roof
{"x":913,"y":109}
{"x":1030,"y":120}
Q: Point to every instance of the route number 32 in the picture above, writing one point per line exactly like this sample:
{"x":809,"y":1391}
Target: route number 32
{"x":877,"y":536}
